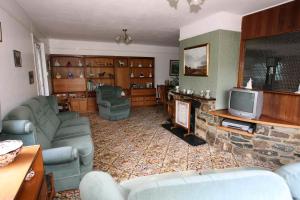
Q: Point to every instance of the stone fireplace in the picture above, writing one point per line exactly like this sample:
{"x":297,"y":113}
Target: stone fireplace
{"x":268,"y":143}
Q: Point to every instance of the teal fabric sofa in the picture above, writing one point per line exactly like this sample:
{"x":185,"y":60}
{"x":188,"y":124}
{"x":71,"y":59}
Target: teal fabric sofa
{"x":65,"y":138}
{"x":233,"y":184}
{"x":112,"y":106}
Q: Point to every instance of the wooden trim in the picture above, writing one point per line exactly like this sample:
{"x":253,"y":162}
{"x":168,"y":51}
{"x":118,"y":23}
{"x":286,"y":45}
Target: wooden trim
{"x":240,"y":132}
{"x":241,"y":64}
{"x":196,"y":46}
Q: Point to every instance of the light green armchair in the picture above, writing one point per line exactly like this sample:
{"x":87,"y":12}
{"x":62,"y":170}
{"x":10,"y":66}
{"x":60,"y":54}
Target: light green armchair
{"x":65,"y":139}
{"x":111,"y":104}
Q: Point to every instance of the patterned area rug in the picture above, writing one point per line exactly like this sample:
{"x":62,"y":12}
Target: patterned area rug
{"x":139,"y":146}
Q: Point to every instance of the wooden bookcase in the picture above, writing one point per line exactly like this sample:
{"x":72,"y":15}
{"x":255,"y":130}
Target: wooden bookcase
{"x":75,"y":77}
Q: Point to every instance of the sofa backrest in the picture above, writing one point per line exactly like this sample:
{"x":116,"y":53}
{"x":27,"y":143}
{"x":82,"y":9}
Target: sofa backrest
{"x":24,"y":113}
{"x":52,"y":103}
{"x":48,"y":109}
{"x":45,"y":121}
{"x":291,"y":174}
{"x":237,"y":185}
{"x":107,"y":92}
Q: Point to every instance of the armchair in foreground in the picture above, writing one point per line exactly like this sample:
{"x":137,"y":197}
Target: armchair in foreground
{"x":111,"y":104}
{"x":228,"y":184}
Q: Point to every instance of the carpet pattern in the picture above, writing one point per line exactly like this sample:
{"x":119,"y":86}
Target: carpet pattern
{"x":139,"y":146}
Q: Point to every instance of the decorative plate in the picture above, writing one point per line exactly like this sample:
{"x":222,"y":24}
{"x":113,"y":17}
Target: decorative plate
{"x":9,"y":149}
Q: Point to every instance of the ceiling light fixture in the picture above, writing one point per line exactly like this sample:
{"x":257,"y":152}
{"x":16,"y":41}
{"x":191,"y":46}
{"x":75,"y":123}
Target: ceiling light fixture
{"x":125,"y":38}
{"x":196,"y":2}
{"x":193,"y":3}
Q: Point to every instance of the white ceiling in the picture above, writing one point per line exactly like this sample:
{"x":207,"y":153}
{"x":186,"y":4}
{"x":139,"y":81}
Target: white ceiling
{"x":148,"y":21}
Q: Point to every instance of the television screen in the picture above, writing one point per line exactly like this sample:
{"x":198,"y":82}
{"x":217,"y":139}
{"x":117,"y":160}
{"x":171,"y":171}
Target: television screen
{"x":242,"y":101}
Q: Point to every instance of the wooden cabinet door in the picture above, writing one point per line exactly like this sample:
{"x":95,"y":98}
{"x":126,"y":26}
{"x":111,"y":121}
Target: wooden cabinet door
{"x":122,"y":77}
{"x":79,"y":105}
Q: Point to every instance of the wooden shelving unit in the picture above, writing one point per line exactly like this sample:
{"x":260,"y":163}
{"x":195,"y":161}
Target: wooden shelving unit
{"x":74,"y":78}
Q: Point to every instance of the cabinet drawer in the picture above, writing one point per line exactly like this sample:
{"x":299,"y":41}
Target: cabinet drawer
{"x":92,"y":105}
{"x":79,"y":104}
{"x":150,"y":98}
{"x":137,"y":98}
{"x":143,"y":92}
{"x":137,"y":103}
{"x":149,"y":103}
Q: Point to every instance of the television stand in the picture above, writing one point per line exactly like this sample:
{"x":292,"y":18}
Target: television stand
{"x":265,"y":120}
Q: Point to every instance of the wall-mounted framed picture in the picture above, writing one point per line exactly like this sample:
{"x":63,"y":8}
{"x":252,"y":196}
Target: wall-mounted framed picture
{"x":31,"y":77}
{"x":0,"y":32}
{"x":196,"y":60}
{"x":174,"y":68}
{"x":17,"y":58}
{"x":182,"y":114}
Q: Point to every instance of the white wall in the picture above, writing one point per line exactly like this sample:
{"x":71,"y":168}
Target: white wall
{"x":162,"y":54}
{"x":17,"y":35}
{"x":220,"y":20}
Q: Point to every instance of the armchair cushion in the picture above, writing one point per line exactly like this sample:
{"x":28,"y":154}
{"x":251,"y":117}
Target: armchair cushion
{"x":59,"y":155}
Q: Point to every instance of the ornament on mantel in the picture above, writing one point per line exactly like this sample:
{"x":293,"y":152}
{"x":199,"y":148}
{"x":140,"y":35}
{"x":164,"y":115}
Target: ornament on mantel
{"x":249,"y":84}
{"x":150,"y":75}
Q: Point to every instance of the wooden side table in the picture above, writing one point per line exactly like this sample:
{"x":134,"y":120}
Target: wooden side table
{"x":12,"y":177}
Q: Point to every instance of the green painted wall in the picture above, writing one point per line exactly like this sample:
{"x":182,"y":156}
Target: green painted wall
{"x":223,"y":66}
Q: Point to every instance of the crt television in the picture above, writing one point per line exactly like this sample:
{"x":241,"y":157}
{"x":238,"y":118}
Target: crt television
{"x":245,"y":103}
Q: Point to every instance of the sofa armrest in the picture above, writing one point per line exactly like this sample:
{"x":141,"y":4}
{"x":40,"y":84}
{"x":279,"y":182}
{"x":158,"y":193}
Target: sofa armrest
{"x":18,"y":127}
{"x":59,"y":155}
{"x":99,"y":185}
{"x":63,"y":116}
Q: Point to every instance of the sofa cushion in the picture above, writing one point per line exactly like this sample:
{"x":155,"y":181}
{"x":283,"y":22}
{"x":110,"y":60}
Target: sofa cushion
{"x":53,"y":103}
{"x":63,"y":116}
{"x":72,"y":131}
{"x":99,"y":186}
{"x":75,"y":121}
{"x":291,"y":174}
{"x":48,"y":111}
{"x":45,"y":121}
{"x":83,"y":144}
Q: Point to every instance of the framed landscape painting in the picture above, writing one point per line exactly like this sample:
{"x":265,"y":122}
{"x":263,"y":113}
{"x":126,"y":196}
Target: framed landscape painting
{"x":196,"y":60}
{"x":174,"y":68}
